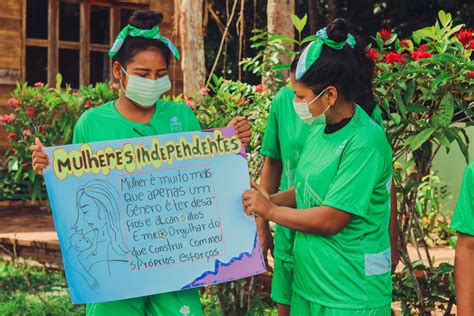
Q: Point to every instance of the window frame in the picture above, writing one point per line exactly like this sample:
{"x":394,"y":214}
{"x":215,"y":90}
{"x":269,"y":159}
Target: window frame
{"x":84,"y":46}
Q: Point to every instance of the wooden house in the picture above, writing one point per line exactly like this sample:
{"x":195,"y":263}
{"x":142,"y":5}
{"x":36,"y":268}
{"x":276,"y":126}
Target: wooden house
{"x":39,"y":38}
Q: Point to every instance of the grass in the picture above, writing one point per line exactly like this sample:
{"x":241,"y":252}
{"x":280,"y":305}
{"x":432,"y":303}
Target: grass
{"x":28,"y":291}
{"x":37,"y":291}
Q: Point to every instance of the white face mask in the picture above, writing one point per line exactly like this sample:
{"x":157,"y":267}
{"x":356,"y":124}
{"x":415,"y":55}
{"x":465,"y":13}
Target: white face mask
{"x":145,"y":92}
{"x":302,"y":110}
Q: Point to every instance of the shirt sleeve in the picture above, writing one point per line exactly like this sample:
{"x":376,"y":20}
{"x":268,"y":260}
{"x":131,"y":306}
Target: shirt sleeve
{"x":80,"y":134}
{"x":194,"y":124}
{"x":377,"y":117}
{"x":188,"y":116}
{"x":359,"y":172}
{"x":463,"y":218}
{"x":271,"y":143}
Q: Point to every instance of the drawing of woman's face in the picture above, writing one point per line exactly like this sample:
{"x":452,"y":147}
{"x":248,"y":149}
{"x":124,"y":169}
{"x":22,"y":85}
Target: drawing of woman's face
{"x":91,"y":213}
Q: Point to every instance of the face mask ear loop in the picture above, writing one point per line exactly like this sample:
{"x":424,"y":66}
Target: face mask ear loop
{"x":317,"y":97}
{"x":120,"y":79}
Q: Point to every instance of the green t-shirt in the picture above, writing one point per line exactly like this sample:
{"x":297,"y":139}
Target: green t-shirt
{"x":350,"y":170}
{"x":106,"y":123}
{"x":284,"y":139}
{"x":463,"y":218}
{"x":377,"y":116}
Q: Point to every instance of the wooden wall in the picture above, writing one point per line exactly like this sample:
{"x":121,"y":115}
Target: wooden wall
{"x":11,"y":34}
{"x":12,"y":44}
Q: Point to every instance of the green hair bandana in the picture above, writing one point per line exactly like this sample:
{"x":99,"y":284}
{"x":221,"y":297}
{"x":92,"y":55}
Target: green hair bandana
{"x":312,"y":52}
{"x":153,"y":33}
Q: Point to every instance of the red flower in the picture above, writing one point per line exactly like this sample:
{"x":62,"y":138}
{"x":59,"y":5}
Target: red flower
{"x":30,"y":112}
{"x":404,"y":43}
{"x":465,"y":37}
{"x":423,"y":47}
{"x":42,"y":128}
{"x":260,"y":88}
{"x":419,"y":54}
{"x":191,"y":104}
{"x":11,"y":135}
{"x":393,"y":58}
{"x":471,"y":44}
{"x":385,"y":34}
{"x":470,"y":74}
{"x":13,"y":102}
{"x":372,"y":53}
{"x":7,"y":118}
{"x":39,"y":84}
{"x":204,"y":91}
{"x":26,"y":132}
{"x":88,"y":104}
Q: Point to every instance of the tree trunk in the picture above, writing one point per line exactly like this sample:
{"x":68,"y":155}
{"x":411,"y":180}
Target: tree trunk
{"x":279,"y":22}
{"x":191,"y":35}
{"x":333,"y":10}
{"x":312,"y":16}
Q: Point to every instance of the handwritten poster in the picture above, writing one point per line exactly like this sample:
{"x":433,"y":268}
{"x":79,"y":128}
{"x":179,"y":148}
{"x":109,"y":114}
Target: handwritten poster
{"x":143,"y":216}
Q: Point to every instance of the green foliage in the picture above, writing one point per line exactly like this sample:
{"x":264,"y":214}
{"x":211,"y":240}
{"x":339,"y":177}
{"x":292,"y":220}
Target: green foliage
{"x":223,"y":100}
{"x":27,"y":291}
{"x":421,"y":89}
{"x":266,"y":62}
{"x":437,"y":286}
{"x":49,"y":113}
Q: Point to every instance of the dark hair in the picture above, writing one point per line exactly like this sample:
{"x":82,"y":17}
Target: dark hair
{"x":142,"y":19}
{"x":347,"y":69}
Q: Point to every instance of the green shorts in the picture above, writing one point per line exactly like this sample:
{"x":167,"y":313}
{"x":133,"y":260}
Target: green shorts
{"x":175,"y":303}
{"x":282,"y":282}
{"x":301,"y":306}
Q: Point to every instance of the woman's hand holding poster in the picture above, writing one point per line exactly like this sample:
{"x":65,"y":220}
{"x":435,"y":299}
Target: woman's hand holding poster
{"x":149,"y":215}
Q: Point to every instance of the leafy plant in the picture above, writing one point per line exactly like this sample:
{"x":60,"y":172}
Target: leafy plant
{"x":266,"y":62}
{"x":28,"y":291}
{"x":437,"y":286}
{"x":216,"y":105}
{"x":425,"y":89}
{"x":48,"y":112}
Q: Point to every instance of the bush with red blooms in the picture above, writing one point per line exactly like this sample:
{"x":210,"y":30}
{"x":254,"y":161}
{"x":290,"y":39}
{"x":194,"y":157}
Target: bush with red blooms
{"x":46,"y":112}
{"x":424,"y":84}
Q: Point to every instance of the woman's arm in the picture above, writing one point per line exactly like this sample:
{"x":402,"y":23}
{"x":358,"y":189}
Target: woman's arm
{"x":242,"y":129}
{"x":285,"y":198}
{"x":464,"y":274}
{"x":323,"y":220}
{"x":39,"y":159}
{"x":270,"y":181}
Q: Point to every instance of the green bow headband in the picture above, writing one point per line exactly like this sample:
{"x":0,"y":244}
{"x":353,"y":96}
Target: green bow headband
{"x":312,"y":52}
{"x":153,"y":33}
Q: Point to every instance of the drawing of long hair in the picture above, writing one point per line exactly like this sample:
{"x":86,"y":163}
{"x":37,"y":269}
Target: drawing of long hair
{"x":106,"y":198}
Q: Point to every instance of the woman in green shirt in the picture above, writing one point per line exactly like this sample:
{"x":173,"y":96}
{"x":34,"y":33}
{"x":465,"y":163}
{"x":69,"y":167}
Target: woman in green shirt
{"x":341,"y":189}
{"x":141,"y":58}
{"x":283,"y":142}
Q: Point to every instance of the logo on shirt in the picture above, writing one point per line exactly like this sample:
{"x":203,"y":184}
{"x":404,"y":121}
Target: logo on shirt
{"x":341,"y":147}
{"x":175,"y":125}
{"x":185,"y":310}
{"x":310,"y":197}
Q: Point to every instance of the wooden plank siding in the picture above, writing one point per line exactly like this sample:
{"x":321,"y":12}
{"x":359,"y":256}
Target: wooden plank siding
{"x":11,"y":55}
{"x":13,"y":42}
